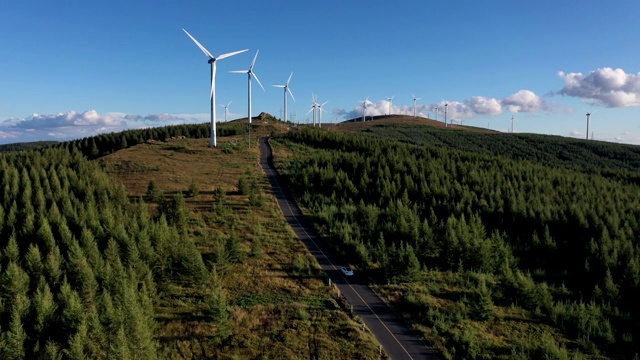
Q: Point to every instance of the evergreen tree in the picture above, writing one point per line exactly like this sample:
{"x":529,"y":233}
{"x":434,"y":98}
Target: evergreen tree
{"x":153,"y":192}
{"x":13,"y":341}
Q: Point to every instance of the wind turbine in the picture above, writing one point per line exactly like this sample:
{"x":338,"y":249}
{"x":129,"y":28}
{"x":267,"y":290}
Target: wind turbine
{"x":436,"y":110}
{"x":364,"y":109}
{"x":212,"y":61}
{"x":225,"y":109}
{"x":414,"y":104}
{"x":589,"y":113}
{"x":250,"y":74}
{"x":314,"y":106}
{"x":512,"y":123}
{"x":446,"y":105}
{"x":320,"y":110}
{"x":286,"y":88}
{"x":390,"y":102}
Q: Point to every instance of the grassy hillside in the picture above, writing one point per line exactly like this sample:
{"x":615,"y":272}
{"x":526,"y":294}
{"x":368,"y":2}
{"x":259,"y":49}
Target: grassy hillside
{"x":524,"y":254}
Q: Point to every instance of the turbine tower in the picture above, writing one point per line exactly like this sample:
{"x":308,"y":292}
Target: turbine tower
{"x":414,"y":104}
{"x":390,"y":102}
{"x":588,"y":114}
{"x":314,"y":106}
{"x":445,"y":114}
{"x":286,"y":89}
{"x":320,"y":110}
{"x":250,"y":74}
{"x":225,"y":110}
{"x":364,"y":109}
{"x":212,"y":61}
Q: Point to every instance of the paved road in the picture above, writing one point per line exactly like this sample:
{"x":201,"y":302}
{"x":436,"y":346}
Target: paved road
{"x":397,"y":339}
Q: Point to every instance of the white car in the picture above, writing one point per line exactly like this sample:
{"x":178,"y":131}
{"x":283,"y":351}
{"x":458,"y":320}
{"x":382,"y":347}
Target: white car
{"x":347,"y":271}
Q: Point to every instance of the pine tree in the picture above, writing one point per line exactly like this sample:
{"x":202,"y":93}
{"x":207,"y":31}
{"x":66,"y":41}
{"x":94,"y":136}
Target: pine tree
{"x":193,"y":190}
{"x":33,"y":261}
{"x":153,"y":192}
{"x":481,"y":304}
{"x":11,"y":252}
{"x":13,"y":340}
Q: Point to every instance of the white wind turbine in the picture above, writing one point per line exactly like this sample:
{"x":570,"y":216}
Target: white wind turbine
{"x":364,"y":109}
{"x":286,"y":89}
{"x":414,"y":104}
{"x":320,"y":110}
{"x":446,"y":105}
{"x":314,"y":106}
{"x":390,"y":102}
{"x":589,"y":113}
{"x":212,"y":61}
{"x":225,"y":109}
{"x":250,"y":74}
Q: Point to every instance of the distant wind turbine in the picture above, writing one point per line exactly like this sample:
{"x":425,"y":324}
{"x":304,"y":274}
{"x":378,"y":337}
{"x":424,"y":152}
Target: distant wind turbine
{"x":364,"y":109}
{"x":314,"y":107}
{"x":320,"y":110}
{"x":512,"y":123}
{"x":250,"y":74}
{"x":589,"y":114}
{"x":212,"y":61}
{"x":286,"y":89}
{"x":390,"y":102}
{"x":446,"y":105}
{"x":414,"y":104}
{"x":225,"y":109}
{"x":436,"y":110}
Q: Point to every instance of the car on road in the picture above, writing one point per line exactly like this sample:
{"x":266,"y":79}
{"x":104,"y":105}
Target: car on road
{"x":347,"y":271}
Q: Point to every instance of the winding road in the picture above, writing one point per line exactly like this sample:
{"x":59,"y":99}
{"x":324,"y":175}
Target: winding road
{"x":396,"y":338}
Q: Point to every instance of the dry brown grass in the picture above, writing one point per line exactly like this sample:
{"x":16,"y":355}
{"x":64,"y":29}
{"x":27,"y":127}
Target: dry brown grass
{"x":275,"y":312}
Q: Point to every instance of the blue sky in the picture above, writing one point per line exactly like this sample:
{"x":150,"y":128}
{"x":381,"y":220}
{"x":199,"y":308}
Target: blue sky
{"x":70,"y":69}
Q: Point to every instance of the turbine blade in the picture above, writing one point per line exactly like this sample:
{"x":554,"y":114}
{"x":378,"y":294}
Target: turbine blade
{"x":258,"y":80}
{"x":254,"y":60}
{"x":229,"y":103}
{"x":312,"y":108}
{"x":290,"y":93}
{"x":239,"y":71}
{"x":278,"y":86}
{"x":205,"y":51}
{"x":290,"y":80}
{"x":231,"y":54}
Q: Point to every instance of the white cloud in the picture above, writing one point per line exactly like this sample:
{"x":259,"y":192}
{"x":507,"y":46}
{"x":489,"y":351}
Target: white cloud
{"x":524,"y":101}
{"x":61,"y":120}
{"x":606,"y":86}
{"x":484,"y":106}
{"x":74,"y":125}
{"x":8,"y":135}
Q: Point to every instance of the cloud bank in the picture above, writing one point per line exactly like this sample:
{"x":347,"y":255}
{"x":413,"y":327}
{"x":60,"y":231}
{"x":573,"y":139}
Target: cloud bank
{"x":74,"y":125}
{"x":606,"y":86}
{"x":520,"y":102}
